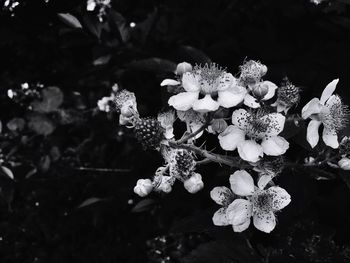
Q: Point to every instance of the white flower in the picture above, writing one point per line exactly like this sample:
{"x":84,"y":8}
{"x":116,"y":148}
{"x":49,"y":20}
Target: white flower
{"x":143,"y":187}
{"x":166,"y":120}
{"x":329,"y":111}
{"x":206,"y":89}
{"x":194,"y":183}
{"x":264,"y":90}
{"x":344,"y":163}
{"x":260,"y":203}
{"x":254,"y":134}
{"x":222,"y":196}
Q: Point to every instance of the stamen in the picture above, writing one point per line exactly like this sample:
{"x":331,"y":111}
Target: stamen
{"x":211,"y":75}
{"x":262,"y":202}
{"x":336,"y":117}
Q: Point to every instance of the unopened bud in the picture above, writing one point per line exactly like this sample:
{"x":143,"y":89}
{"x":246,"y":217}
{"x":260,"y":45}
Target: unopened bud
{"x":143,"y":187}
{"x":166,"y":184}
{"x":344,"y":163}
{"x":218,"y":125}
{"x":260,"y":90}
{"x":194,"y":183}
{"x":183,"y":68}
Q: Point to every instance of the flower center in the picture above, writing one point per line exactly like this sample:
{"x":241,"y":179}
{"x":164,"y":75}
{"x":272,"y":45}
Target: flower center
{"x":335,"y":116}
{"x":209,"y":77}
{"x":257,"y":127}
{"x":262,"y":201}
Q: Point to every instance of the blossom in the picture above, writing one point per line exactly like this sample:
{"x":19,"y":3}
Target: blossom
{"x":194,"y":120}
{"x":206,"y":88}
{"x":222,"y":196}
{"x":104,"y":104}
{"x":287,"y":96}
{"x":254,"y":134}
{"x":166,"y":120}
{"x":143,"y":187}
{"x":256,"y":202}
{"x":194,"y":183}
{"x":329,"y":111}
{"x":125,"y":102}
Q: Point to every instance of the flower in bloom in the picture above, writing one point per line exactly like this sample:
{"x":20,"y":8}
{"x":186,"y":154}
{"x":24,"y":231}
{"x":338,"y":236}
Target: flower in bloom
{"x":143,"y":187}
{"x":125,"y":102}
{"x":206,"y":88}
{"x":194,"y":183}
{"x":256,"y":202}
{"x":222,"y":196}
{"x":254,"y":134}
{"x":330,"y":111}
{"x":166,"y":120}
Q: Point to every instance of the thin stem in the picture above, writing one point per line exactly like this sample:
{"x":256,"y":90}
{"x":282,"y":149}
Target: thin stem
{"x":103,"y":170}
{"x":194,"y":134}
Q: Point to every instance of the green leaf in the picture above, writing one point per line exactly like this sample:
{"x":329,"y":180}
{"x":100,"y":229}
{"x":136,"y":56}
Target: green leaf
{"x":52,"y":99}
{"x":153,"y":65}
{"x":40,"y":124}
{"x":69,"y":20}
{"x":90,"y":201}
{"x":143,"y":205}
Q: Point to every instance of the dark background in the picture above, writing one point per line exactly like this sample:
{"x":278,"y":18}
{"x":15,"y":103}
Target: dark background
{"x":57,"y":211}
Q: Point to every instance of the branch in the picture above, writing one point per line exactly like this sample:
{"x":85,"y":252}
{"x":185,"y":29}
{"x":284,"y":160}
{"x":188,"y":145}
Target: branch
{"x":194,"y":134}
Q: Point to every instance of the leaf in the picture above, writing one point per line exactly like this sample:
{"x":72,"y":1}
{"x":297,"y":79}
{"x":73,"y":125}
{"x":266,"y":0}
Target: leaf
{"x":52,"y":99}
{"x":143,"y":205}
{"x":69,"y":20}
{"x":90,"y":201}
{"x":93,"y":25}
{"x":120,"y":22}
{"x":102,"y":60}
{"x":197,"y":55}
{"x":7,"y":172}
{"x":40,"y":124}
{"x":153,"y":65}
{"x":16,"y":124}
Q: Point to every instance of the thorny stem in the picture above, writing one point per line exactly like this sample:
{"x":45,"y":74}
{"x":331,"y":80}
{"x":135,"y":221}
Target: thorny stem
{"x":192,"y":135}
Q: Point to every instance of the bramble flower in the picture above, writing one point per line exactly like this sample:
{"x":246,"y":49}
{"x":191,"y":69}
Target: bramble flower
{"x":143,"y":187}
{"x":330,"y":111}
{"x":105,"y":103}
{"x":254,"y":134}
{"x":206,"y":88}
{"x":287,"y":96}
{"x":166,"y":120}
{"x":125,"y":102}
{"x":259,"y":203}
{"x":194,"y":183}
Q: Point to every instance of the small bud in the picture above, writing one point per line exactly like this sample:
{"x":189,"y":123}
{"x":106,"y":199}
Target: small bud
{"x":183,"y":68}
{"x":218,"y":125}
{"x":115,"y":88}
{"x":194,"y":183}
{"x":260,"y":90}
{"x":166,"y":184}
{"x":344,"y":163}
{"x":143,"y":187}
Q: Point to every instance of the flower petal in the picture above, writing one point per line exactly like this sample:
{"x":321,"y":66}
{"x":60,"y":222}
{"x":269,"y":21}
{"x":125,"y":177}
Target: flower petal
{"x":250,"y":101}
{"x":190,"y":82}
{"x":275,"y":122}
{"x":275,"y":146}
{"x":250,"y":151}
{"x":312,"y":107}
{"x":328,"y":91}
{"x":271,"y":89}
{"x":241,"y":227}
{"x":280,"y":197}
{"x":226,"y":81}
{"x":240,"y":118}
{"x":242,"y":183}
{"x":221,"y":195}
{"x":232,"y":96}
{"x":220,"y":217}
{"x":206,"y":104}
{"x":264,"y":179}
{"x":312,"y":133}
{"x":170,"y":82}
{"x":239,"y":211}
{"x":230,"y":138}
{"x":264,"y":221}
{"x":183,"y":101}
{"x":330,"y":138}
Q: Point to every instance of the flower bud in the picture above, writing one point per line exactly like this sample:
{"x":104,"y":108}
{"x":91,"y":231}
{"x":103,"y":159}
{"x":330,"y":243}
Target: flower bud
{"x":260,"y":90}
{"x":183,"y":68}
{"x":344,"y":163}
{"x":166,"y":184}
{"x":218,"y":125}
{"x":115,"y":88}
{"x":126,"y":111}
{"x":143,"y":187}
{"x":194,"y":183}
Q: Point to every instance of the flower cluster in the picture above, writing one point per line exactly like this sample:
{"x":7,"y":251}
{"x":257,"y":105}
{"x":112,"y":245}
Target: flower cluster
{"x":245,"y":113}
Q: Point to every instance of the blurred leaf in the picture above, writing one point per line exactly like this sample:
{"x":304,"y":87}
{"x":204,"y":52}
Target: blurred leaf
{"x":93,"y":25}
{"x":40,"y":124}
{"x":69,"y":20}
{"x":7,"y":172}
{"x":16,"y":124}
{"x":44,"y":163}
{"x":143,"y":205}
{"x":197,"y":55}
{"x":153,"y":65}
{"x":52,"y":99}
{"x":102,"y":60}
{"x":120,"y":23}
{"x":90,"y":201}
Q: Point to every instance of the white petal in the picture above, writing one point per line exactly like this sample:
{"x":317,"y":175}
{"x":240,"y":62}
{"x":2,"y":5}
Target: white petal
{"x":250,"y":151}
{"x":330,"y":138}
{"x":275,"y":146}
{"x":190,"y":82}
{"x":239,"y":211}
{"x":221,"y":195}
{"x":264,"y":221}
{"x":206,"y":104}
{"x":271,"y":87}
{"x":242,"y":183}
{"x":241,"y":227}
{"x":232,"y":96}
{"x":170,"y":82}
{"x":183,"y":101}
{"x":275,"y":123}
{"x":280,"y":197}
{"x":312,"y":107}
{"x":169,"y":133}
{"x":226,"y":81}
{"x":230,"y":138}
{"x":240,"y":118}
{"x":312,"y":133}
{"x":220,"y":217}
{"x":328,"y":91}
{"x":264,"y":179}
{"x":250,"y":101}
